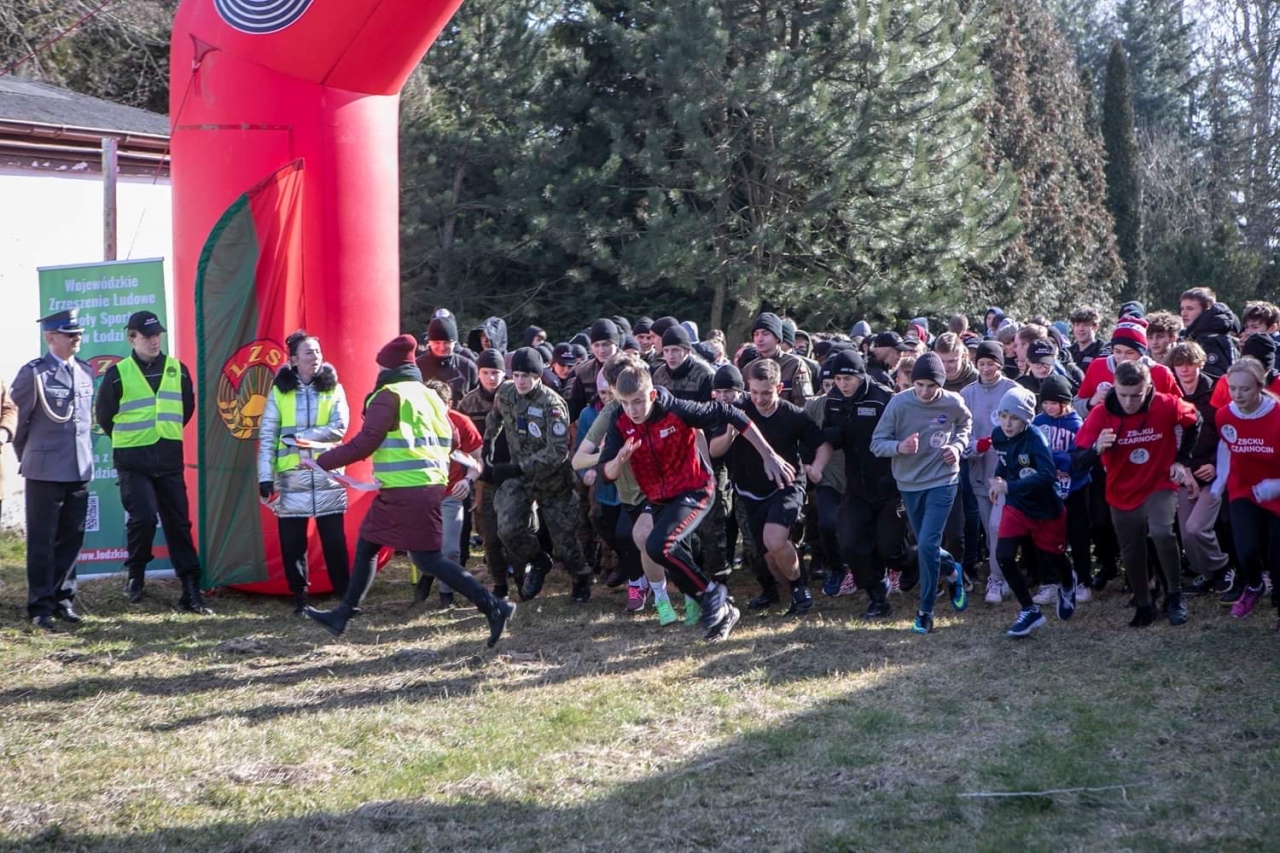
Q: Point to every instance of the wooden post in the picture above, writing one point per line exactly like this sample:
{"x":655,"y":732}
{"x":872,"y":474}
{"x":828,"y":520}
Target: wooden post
{"x":109,"y":168}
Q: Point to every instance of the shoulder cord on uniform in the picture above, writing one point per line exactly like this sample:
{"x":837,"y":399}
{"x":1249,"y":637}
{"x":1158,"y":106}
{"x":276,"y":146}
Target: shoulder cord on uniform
{"x":44,"y":403}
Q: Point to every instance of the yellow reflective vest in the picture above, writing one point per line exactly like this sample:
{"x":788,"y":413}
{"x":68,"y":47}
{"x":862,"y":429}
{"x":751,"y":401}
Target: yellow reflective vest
{"x":146,"y":416}
{"x":416,"y":453}
{"x":287,"y":457}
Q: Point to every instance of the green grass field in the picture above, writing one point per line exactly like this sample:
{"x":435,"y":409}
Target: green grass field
{"x":147,"y":730}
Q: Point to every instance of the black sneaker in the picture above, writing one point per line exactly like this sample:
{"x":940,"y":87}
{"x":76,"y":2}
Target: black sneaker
{"x":720,"y":631}
{"x":299,"y":603}
{"x":878,"y":608}
{"x":616,"y":578}
{"x":133,"y":589}
{"x":1175,"y":608}
{"x":1101,"y":578}
{"x":801,"y":600}
{"x":1223,"y":581}
{"x":535,"y":578}
{"x":1199,"y":586}
{"x":1233,"y":593}
{"x":1143,"y":617}
{"x":498,"y":618}
{"x":713,"y":603}
{"x":446,"y":600}
{"x":763,"y":600}
{"x":581,"y":591}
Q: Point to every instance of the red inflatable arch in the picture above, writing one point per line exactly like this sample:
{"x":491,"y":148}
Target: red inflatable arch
{"x":285,"y":209}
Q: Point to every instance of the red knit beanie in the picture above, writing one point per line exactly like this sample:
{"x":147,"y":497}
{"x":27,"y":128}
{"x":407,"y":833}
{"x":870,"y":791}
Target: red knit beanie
{"x":398,"y":352}
{"x":1132,"y":332}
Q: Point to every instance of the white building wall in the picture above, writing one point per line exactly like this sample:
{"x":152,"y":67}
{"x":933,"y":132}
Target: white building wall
{"x":54,"y":218}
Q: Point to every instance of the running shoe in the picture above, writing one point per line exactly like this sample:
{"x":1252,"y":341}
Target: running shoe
{"x":1046,"y":594}
{"x":1175,"y":608}
{"x":636,"y":597}
{"x":763,"y":600}
{"x":692,"y":612}
{"x":835,"y":581}
{"x":1083,"y":593}
{"x":1027,"y":621}
{"x":1248,"y":600}
{"x":1066,"y":603}
{"x":801,"y":600}
{"x":1223,"y":581}
{"x":996,"y":591}
{"x":895,"y":582}
{"x":666,"y":613}
{"x":713,"y":603}
{"x":848,"y":586}
{"x":720,"y":631}
{"x":923,"y":624}
{"x":959,"y":597}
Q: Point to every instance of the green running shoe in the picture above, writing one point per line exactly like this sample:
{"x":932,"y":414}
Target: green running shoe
{"x":666,"y":613}
{"x":692,"y":612}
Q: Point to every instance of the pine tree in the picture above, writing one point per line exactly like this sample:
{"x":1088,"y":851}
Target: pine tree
{"x":1124,"y":187}
{"x":1037,"y":125}
{"x":822,"y":157}
{"x":1158,"y":43}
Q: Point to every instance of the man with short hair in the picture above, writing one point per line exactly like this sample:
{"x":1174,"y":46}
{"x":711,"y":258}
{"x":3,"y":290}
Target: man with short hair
{"x":649,"y":342}
{"x":1260,"y":318}
{"x":1163,"y":328}
{"x":1086,"y":346}
{"x":143,"y":403}
{"x":886,"y":349}
{"x":1212,"y":325}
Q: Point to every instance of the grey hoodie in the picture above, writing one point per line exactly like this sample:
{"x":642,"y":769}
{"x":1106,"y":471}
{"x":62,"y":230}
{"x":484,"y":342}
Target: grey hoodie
{"x":943,"y":423}
{"x":984,"y":405}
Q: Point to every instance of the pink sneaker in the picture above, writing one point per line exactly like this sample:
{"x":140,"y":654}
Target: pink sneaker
{"x":636,"y":599}
{"x":848,"y":586}
{"x":1248,"y":600}
{"x":895,"y":582}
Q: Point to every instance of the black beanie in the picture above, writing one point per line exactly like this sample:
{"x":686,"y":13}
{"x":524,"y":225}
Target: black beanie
{"x":705,"y":352}
{"x":644,"y":324}
{"x":1055,"y":388}
{"x":677,"y":336}
{"x":661,"y":324}
{"x":546,"y":351}
{"x":604,"y":329}
{"x":747,"y":355}
{"x":728,"y":377}
{"x":822,"y":349}
{"x":789,"y":332}
{"x":623,"y":324}
{"x":929,"y":366}
{"x":490,"y":358}
{"x":993,"y":350}
{"x":1261,"y":346}
{"x":630,"y":342}
{"x":580,"y":340}
{"x":528,"y":360}
{"x":846,"y":362}
{"x":442,"y":329}
{"x":771,"y":323}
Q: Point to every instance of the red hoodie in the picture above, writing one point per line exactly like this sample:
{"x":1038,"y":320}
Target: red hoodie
{"x":1138,"y":463}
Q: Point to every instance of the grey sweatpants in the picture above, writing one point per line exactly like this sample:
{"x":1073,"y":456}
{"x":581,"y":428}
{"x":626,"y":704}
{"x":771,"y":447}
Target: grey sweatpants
{"x":1155,"y":518}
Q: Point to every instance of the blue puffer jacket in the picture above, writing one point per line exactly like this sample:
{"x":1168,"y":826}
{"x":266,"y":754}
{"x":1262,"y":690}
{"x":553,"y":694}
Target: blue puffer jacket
{"x":1027,"y":466}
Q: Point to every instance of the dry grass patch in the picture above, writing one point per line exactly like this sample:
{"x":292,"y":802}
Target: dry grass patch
{"x":147,"y":730}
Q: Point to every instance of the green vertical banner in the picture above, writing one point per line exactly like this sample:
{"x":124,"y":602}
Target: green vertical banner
{"x":106,"y":294}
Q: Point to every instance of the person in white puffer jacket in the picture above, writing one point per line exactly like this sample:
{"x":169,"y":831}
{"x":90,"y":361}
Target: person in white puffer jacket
{"x":306,"y":403}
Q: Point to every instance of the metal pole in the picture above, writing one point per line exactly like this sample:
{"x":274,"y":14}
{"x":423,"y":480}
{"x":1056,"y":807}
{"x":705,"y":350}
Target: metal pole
{"x":109,"y":168}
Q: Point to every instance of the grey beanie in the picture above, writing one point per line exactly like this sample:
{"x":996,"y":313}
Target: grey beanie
{"x":1019,"y":402}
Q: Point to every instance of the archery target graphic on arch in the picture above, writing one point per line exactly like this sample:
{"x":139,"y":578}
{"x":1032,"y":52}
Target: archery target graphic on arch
{"x":261,"y":17}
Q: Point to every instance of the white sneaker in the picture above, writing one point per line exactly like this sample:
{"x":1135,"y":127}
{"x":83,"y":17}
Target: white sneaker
{"x":1083,"y":593}
{"x":1047,"y":594}
{"x":995,"y":591}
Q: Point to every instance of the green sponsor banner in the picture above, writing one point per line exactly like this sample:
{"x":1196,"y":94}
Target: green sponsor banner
{"x":106,"y":294}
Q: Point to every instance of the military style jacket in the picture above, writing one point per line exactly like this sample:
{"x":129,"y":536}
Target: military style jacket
{"x":536,"y":429}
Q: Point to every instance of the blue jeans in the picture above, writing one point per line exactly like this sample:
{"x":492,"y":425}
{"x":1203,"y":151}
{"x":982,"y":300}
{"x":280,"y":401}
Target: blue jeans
{"x":927,"y":511}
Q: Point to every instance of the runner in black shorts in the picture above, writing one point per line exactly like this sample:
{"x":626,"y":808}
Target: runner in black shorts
{"x":773,"y":510}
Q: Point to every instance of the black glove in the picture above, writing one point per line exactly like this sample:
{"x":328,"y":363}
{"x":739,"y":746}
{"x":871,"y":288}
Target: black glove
{"x":266,"y":489}
{"x":504,"y":471}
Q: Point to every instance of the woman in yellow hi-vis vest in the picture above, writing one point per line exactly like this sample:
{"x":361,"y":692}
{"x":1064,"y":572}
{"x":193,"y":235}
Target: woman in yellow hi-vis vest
{"x":306,"y":404}
{"x":143,"y":403}
{"x":408,"y":434}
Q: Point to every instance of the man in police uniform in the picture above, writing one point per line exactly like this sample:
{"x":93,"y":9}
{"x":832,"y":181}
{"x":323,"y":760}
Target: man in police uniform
{"x":54,"y":445}
{"x":535,"y":422}
{"x":144,"y":402}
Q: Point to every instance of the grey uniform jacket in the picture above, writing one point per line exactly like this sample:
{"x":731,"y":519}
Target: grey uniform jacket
{"x":46,"y":390}
{"x":304,"y":492}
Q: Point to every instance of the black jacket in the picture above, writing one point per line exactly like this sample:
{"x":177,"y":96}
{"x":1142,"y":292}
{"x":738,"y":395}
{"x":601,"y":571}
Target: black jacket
{"x":459,"y":373}
{"x":848,"y":423}
{"x":1084,"y":357}
{"x":1213,"y":331}
{"x":163,"y":457}
{"x":1206,"y":449}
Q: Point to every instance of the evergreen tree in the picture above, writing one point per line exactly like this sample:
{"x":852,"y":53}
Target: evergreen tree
{"x":1124,"y":187}
{"x":823,"y":157}
{"x":1157,"y":40}
{"x":1037,"y":125}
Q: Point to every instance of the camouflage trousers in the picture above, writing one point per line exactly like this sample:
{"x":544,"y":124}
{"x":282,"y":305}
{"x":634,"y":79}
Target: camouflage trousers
{"x":518,"y":507}
{"x":711,"y":533}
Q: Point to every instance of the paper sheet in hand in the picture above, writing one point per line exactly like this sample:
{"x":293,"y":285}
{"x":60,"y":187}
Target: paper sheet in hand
{"x":358,"y":485}
{"x":309,"y":445}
